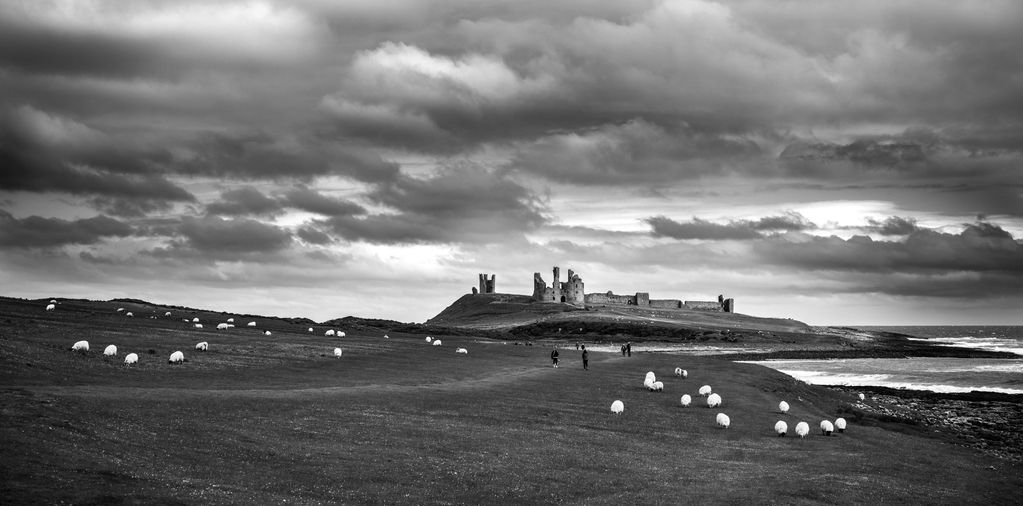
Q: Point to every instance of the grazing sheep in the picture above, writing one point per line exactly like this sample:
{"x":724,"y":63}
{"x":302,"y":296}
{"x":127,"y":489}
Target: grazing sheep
{"x":223,"y":326}
{"x":436,"y":342}
{"x":686,"y":400}
{"x":781,"y":428}
{"x":80,"y":346}
{"x":50,"y":307}
{"x":705,"y":390}
{"x":783,"y":407}
{"x":462,"y":351}
{"x":840,"y":424}
{"x":678,"y":371}
{"x":337,"y":352}
{"x":120,"y":309}
{"x":131,"y":358}
{"x":329,"y":332}
{"x":310,"y":329}
{"x":129,"y":314}
{"x":651,"y":377}
{"x":340,"y":334}
{"x":176,"y":358}
{"x":827,"y":428}
{"x":428,"y":339}
{"x":110,"y":351}
{"x":195,"y":320}
{"x":713,"y":401}
{"x":862,"y":397}
{"x":723,"y":420}
{"x":203,"y":346}
{"x":251,"y":324}
{"x":386,"y":336}
{"x":658,"y":386}
{"x":267,"y":333}
{"x":802,"y":429}
{"x":617,"y":407}
{"x":230,"y":320}
{"x":168,"y":313}
{"x":53,"y":301}
{"x":198,"y":325}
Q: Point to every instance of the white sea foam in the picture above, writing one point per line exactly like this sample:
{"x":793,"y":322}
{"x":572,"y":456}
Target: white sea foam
{"x":979,"y":343}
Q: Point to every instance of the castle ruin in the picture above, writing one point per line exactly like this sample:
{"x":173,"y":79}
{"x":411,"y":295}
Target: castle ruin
{"x":571,"y":292}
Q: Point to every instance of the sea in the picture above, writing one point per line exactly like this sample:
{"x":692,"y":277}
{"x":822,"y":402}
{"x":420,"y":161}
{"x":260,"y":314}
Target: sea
{"x":922,"y":373}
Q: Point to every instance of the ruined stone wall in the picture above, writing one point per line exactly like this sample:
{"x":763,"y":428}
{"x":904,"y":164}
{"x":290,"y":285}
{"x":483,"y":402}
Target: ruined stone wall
{"x":666,"y":303}
{"x":573,"y":290}
{"x":488,"y":285}
{"x":703,"y":305}
{"x":728,"y":306}
{"x":642,"y":299}
{"x":610,"y":298}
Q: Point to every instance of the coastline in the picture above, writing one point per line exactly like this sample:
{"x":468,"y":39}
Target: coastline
{"x":986,"y":421}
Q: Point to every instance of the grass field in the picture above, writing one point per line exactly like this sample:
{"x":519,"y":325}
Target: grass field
{"x":275,"y":419}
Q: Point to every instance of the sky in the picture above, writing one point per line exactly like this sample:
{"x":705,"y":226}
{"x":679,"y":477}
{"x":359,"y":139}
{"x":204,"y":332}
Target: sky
{"x":837,"y":163}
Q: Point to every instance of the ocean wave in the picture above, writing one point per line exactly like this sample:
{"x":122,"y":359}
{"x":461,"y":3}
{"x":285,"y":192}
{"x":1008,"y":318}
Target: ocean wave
{"x":980,"y":343}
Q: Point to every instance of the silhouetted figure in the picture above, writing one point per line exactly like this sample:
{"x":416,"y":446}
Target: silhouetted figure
{"x":628,"y":349}
{"x":554,"y":357}
{"x":586,"y":359}
{"x":623,"y":350}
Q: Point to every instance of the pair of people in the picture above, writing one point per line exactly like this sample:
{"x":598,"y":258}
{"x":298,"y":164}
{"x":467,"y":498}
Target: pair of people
{"x":586,"y":358}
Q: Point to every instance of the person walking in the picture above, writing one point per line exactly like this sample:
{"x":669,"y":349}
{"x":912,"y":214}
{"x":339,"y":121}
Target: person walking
{"x":628,"y":348}
{"x":586,"y":359}
{"x":554,"y":357}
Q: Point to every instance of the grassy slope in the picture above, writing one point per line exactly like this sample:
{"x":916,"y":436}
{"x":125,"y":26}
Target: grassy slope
{"x":273,"y":419}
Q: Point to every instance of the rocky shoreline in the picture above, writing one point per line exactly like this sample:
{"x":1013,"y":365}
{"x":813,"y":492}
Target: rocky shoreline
{"x":985,"y":421}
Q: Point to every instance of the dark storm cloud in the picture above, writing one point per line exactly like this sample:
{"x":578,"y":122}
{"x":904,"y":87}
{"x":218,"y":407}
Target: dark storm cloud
{"x":460,"y":203}
{"x":980,"y":247}
{"x":894,"y":225}
{"x":697,"y":228}
{"x":244,"y":201}
{"x":238,"y":236}
{"x":38,"y":232}
{"x":306,"y":199}
{"x":313,"y":236}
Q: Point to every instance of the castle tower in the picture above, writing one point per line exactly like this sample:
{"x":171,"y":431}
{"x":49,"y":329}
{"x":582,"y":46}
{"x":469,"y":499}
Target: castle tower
{"x":488,"y":285}
{"x":556,"y":285}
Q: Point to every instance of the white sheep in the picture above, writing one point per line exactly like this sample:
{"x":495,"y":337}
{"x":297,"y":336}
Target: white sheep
{"x":176,"y":358}
{"x":340,"y":334}
{"x":617,"y":407}
{"x":203,"y":346}
{"x":827,"y":427}
{"x":195,"y":320}
{"x":251,"y":324}
{"x":267,"y":333}
{"x":168,"y":313}
{"x":337,"y":352}
{"x":223,"y":326}
{"x":51,"y":307}
{"x":53,"y":301}
{"x":120,"y":309}
{"x":110,"y":351}
{"x":129,"y":314}
{"x":686,"y":400}
{"x":651,"y":377}
{"x":80,"y":346}
{"x":386,"y":336}
{"x":230,"y":320}
{"x":310,"y":329}
{"x":462,"y":351}
{"x":329,"y":332}
{"x":198,"y":325}
{"x":658,"y":386}
{"x":783,"y":407}
{"x":705,"y":390}
{"x":802,"y":429}
{"x":436,"y":342}
{"x":713,"y":400}
{"x":781,"y":428}
{"x":862,"y":397}
{"x":723,"y":420}
{"x":429,"y":339}
{"x":840,"y":424}
{"x":131,"y":358}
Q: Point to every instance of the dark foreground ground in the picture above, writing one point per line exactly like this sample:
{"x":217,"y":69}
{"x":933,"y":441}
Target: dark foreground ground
{"x":275,"y":419}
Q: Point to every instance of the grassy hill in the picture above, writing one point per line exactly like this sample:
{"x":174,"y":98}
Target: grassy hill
{"x":274,"y":419}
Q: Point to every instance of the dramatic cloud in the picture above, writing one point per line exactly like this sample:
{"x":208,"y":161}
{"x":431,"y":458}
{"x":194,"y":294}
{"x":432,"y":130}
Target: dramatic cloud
{"x":236,"y":236}
{"x":244,"y":201}
{"x":38,"y":232}
{"x":894,"y":225}
{"x":736,"y":230}
{"x":306,"y":199}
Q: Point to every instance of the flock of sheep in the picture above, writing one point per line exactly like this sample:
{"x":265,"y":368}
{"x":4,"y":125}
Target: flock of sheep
{"x":722,"y":420}
{"x":178,"y":357}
